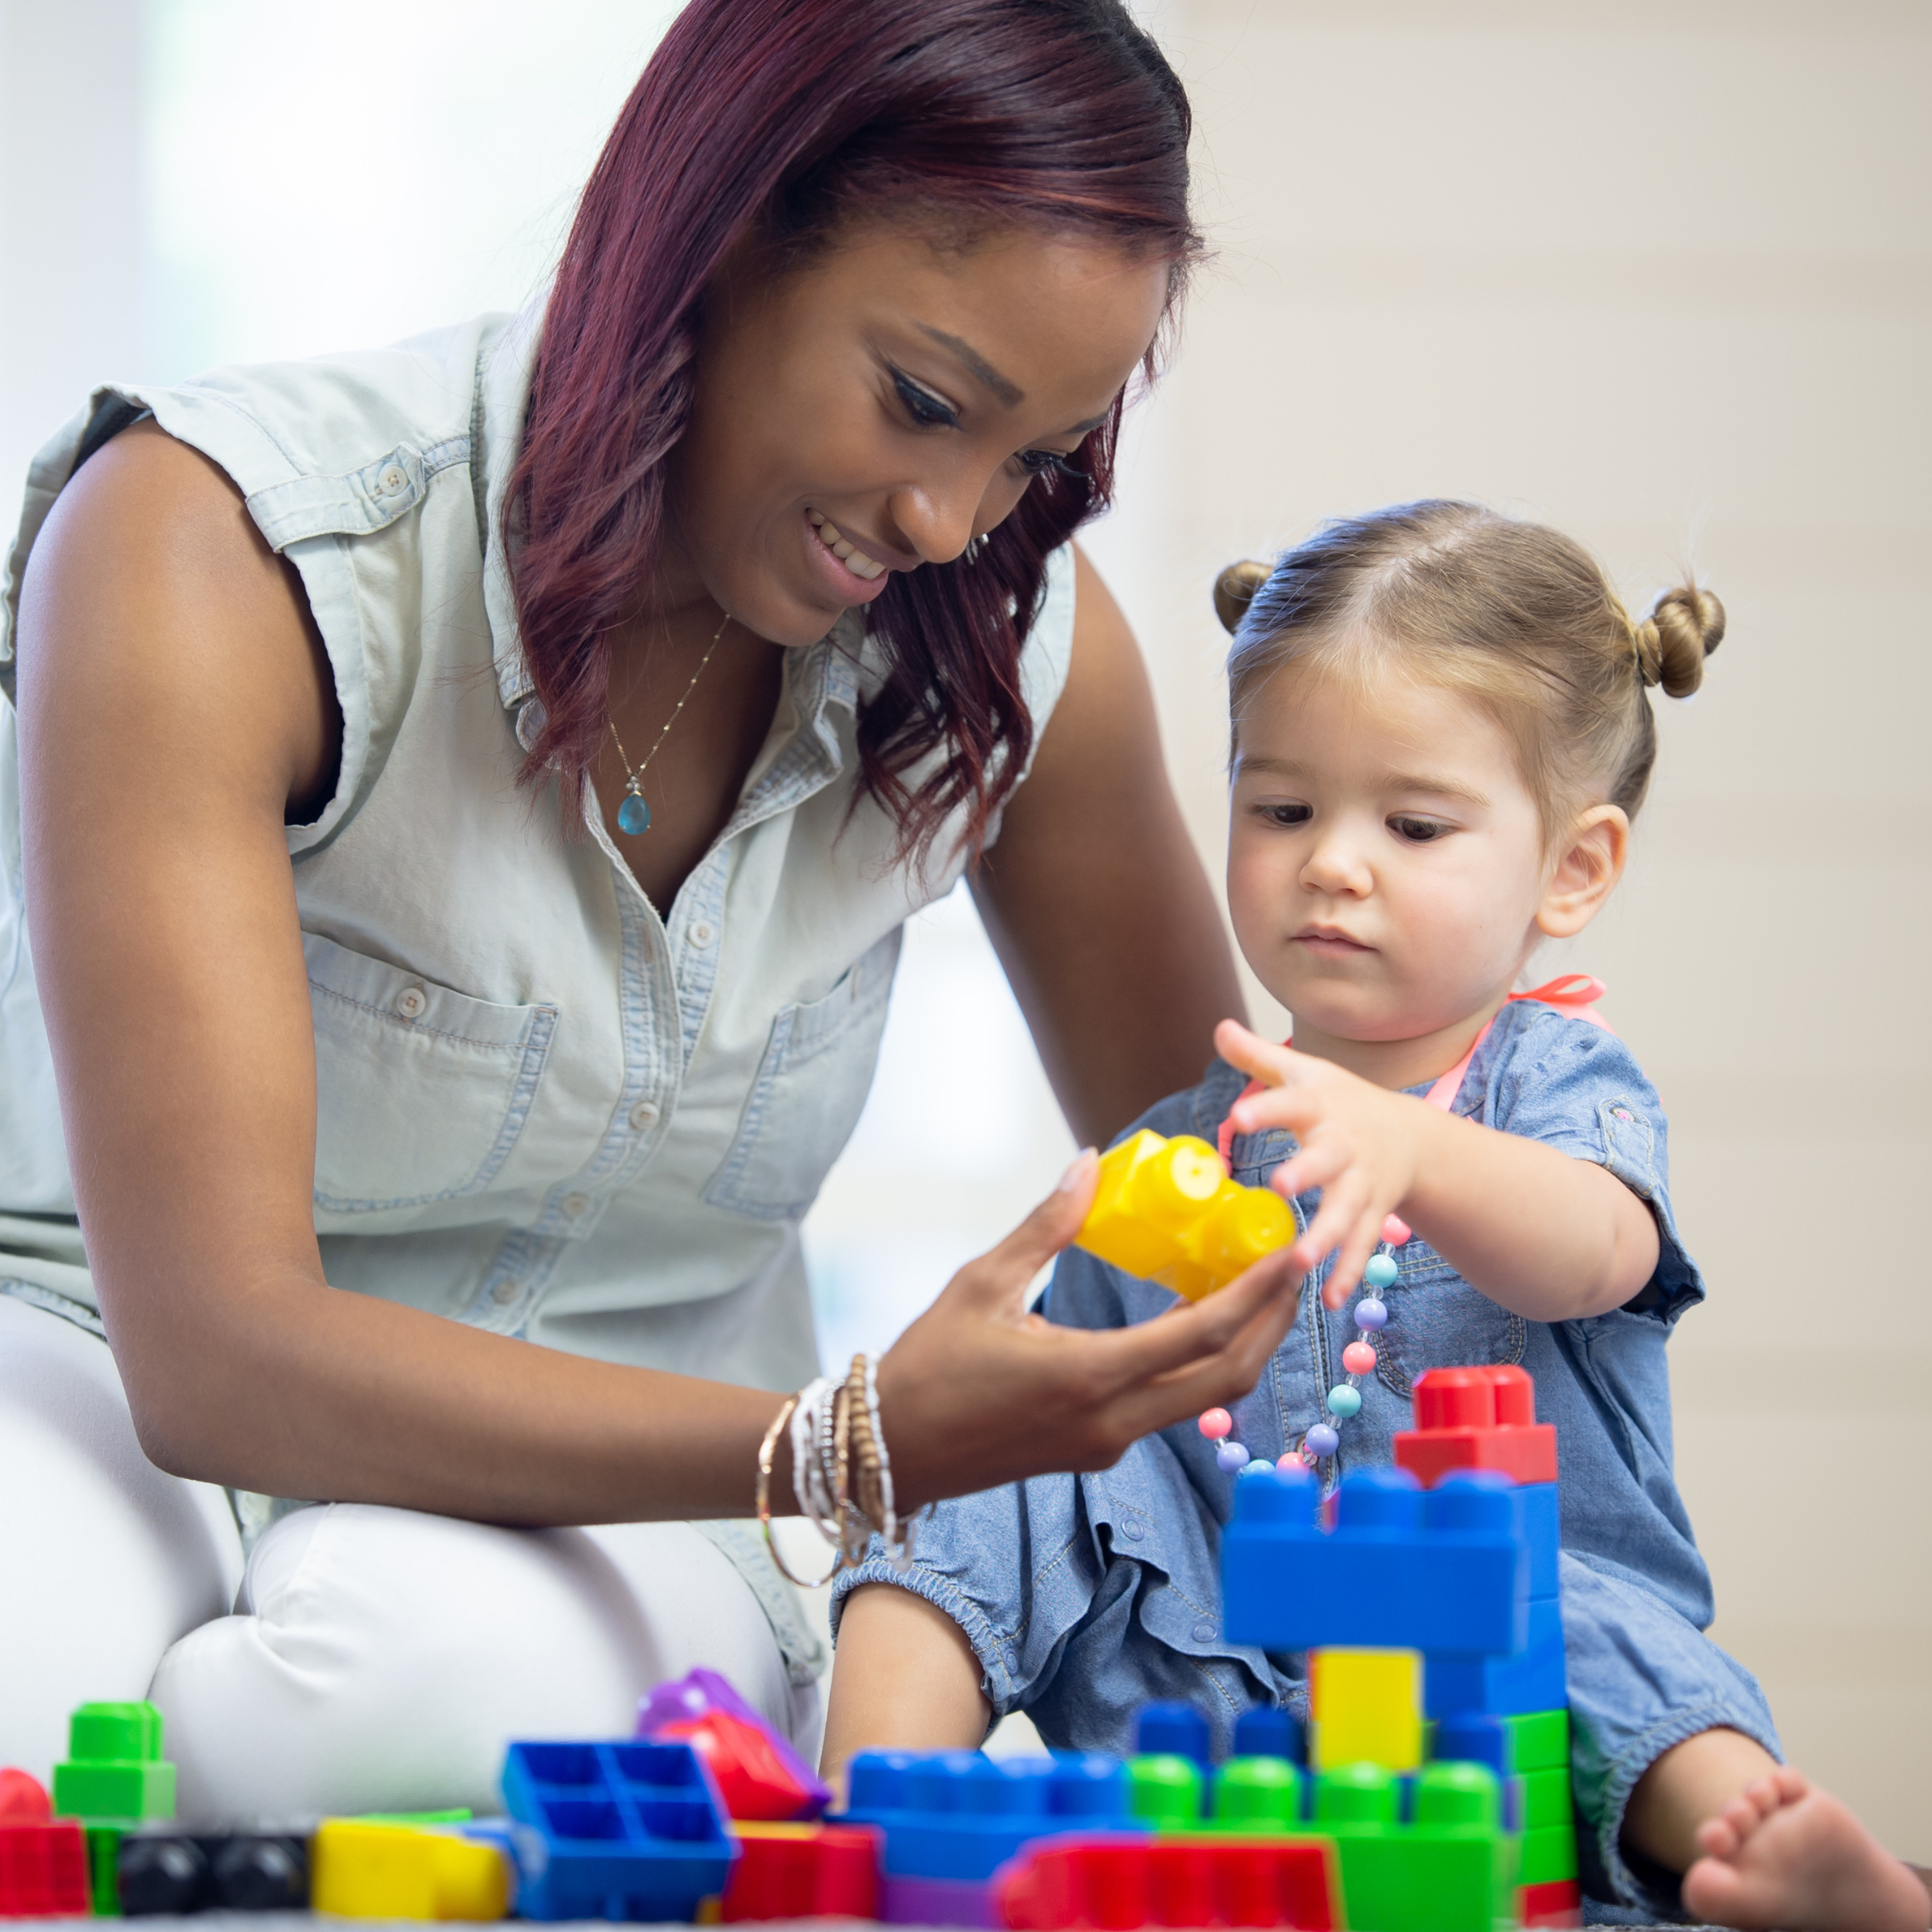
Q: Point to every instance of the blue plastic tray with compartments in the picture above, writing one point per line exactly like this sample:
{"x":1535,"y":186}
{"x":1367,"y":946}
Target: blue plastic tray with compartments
{"x":615,"y":1830}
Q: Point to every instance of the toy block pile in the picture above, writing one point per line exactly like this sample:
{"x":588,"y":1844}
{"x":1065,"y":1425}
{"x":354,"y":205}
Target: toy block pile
{"x":1167,"y":1212}
{"x":1426,"y":1609}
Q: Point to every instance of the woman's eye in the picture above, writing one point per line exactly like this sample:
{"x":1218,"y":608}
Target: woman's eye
{"x":1047,"y":463}
{"x":1417,"y":831}
{"x":922,"y":405}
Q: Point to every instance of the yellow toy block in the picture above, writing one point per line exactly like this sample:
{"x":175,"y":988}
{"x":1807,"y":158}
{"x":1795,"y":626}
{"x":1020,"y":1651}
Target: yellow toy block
{"x":389,"y":1872}
{"x":1167,"y":1212}
{"x":1365,"y":1705}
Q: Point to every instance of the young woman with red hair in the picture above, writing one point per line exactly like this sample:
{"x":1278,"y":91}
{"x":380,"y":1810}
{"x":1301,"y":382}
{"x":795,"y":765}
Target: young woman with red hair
{"x":466,"y":797}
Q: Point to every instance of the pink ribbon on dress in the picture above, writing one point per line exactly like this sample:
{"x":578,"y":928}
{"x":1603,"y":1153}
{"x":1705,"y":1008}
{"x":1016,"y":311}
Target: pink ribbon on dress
{"x":1574,"y":993}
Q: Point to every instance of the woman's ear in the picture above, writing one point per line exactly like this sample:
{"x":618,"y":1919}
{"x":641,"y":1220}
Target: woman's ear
{"x":1587,"y":871}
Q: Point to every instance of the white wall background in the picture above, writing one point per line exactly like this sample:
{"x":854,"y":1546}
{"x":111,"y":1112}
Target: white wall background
{"x":1658,"y":270}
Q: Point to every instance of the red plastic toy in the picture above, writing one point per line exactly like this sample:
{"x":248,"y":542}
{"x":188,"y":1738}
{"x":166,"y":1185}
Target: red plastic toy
{"x":760,"y":1778}
{"x":805,"y":1871}
{"x":1477,"y":1419}
{"x":1119,"y":1883}
{"x":23,"y":1799}
{"x":43,"y":1870}
{"x":1558,"y":1903}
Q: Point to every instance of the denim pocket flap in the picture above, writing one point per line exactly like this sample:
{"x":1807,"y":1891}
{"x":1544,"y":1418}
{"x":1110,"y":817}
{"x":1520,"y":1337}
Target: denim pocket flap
{"x":421,"y":1091}
{"x":1436,"y":1320}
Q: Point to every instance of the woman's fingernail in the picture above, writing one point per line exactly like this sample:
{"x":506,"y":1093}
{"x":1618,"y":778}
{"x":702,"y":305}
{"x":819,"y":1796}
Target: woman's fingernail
{"x":1071,"y":1180}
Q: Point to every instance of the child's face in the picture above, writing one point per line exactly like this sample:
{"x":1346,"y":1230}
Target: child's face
{"x":1386,"y":865}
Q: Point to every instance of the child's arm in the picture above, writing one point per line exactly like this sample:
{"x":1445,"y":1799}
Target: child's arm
{"x":1547,"y":1236}
{"x":903,"y":1678}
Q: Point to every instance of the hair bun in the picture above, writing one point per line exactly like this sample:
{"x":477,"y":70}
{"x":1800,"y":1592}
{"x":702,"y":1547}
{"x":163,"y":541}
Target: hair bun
{"x":1684,"y":627}
{"x":1234,"y":591}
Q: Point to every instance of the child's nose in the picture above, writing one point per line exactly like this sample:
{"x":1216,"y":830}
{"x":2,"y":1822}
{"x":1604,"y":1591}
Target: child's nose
{"x":1338,"y":866}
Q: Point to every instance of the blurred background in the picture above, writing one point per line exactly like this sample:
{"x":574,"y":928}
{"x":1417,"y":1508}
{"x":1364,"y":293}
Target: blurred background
{"x":1657,"y":270}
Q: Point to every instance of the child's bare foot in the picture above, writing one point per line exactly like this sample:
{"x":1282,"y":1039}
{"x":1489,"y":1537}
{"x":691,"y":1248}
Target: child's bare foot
{"x":1788,"y":1857}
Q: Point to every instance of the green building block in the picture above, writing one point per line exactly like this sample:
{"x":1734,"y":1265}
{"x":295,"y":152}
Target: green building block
{"x":1164,"y":1790}
{"x":103,"y":1884}
{"x":1452,"y":1871}
{"x":114,"y":1767}
{"x":1538,"y":1741}
{"x":1256,"y":1794}
{"x":417,"y":1821}
{"x":1549,"y":1855}
{"x":1545,"y":1799}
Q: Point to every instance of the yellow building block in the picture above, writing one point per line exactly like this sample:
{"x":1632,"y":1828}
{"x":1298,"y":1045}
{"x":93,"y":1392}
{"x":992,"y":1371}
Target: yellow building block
{"x":1365,"y":1705}
{"x":1167,"y":1212}
{"x":389,"y":1872}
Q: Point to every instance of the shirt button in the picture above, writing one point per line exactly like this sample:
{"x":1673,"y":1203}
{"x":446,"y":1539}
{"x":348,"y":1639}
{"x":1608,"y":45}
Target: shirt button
{"x":1011,"y":1660}
{"x":412,"y":1003}
{"x":700,"y":934}
{"x":506,"y":1292}
{"x":393,"y":480}
{"x":1132,"y":1530}
{"x":645,"y":1114}
{"x":576,"y":1206}
{"x":1203,"y":1632}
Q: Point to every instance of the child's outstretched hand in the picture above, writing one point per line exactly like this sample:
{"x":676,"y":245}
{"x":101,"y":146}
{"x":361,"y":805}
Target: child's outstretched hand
{"x":1359,"y":1144}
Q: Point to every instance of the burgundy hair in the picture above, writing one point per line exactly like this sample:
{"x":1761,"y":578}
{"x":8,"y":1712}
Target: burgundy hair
{"x":788,"y":116}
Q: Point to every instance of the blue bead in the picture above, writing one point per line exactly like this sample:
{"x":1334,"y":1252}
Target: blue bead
{"x":1231,"y":1456}
{"x":1323,"y":1439}
{"x":1344,"y":1401}
{"x":1256,"y":1469}
{"x":633,"y":815}
{"x":1371,"y":1314}
{"x":1380,"y":1271}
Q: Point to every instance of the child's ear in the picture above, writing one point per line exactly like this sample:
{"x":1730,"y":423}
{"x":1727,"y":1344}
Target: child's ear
{"x":1587,"y":871}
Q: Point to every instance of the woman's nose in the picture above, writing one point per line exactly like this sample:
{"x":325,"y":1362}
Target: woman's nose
{"x":939,"y":517}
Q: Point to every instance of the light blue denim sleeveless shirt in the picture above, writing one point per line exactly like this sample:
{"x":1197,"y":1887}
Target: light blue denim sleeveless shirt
{"x":542,"y":1109}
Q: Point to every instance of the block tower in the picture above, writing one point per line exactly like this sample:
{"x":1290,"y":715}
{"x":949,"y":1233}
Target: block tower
{"x":1430,"y":1618}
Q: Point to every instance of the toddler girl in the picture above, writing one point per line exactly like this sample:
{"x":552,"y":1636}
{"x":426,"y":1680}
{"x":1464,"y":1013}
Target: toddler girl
{"x":1441,"y":735}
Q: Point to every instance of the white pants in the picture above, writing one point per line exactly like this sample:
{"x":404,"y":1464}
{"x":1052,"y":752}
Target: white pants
{"x":377,"y":1659}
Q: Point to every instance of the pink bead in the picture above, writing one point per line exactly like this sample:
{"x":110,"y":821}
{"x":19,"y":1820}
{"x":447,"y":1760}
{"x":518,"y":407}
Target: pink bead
{"x":1396,"y":1230}
{"x":1216,"y":1423}
{"x":1291,"y":1464}
{"x":1359,"y":1360}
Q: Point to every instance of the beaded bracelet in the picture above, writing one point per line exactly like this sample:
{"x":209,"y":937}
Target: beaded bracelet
{"x":1345,"y":1399}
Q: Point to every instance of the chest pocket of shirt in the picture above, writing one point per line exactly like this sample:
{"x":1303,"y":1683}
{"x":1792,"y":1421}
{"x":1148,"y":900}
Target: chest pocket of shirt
{"x":420,"y":1091}
{"x":1438,"y":1320}
{"x":809,"y":1090}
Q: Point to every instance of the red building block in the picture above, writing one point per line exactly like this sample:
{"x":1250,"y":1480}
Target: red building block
{"x":43,"y":1870}
{"x":753,"y":1781}
{"x":1477,"y":1419}
{"x":1122,"y":1882}
{"x":805,"y":1871}
{"x":1557,"y":1903}
{"x":23,"y":1799}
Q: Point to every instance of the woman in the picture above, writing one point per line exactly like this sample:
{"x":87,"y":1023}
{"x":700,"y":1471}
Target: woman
{"x":468,"y":797}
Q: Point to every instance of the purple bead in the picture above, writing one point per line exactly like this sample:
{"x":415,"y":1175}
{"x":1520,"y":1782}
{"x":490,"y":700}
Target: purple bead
{"x":1231,"y":1456}
{"x":1322,"y":1440}
{"x":1371,"y":1314}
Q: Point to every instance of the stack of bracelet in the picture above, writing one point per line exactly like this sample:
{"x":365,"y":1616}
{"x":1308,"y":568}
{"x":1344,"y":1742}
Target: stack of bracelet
{"x":840,"y":1471}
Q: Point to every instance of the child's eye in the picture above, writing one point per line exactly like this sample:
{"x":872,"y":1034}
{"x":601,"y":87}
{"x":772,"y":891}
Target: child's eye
{"x":922,"y":405}
{"x":1417,"y":831}
{"x":1287,"y":814}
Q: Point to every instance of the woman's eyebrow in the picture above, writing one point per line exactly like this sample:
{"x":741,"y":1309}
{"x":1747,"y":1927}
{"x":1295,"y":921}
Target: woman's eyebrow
{"x":1009,"y":392}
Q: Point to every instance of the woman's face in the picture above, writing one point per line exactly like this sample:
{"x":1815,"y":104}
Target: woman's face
{"x":886,"y":403}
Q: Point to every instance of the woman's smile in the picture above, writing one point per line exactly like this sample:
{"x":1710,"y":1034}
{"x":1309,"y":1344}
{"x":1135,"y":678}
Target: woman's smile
{"x":855,"y":575}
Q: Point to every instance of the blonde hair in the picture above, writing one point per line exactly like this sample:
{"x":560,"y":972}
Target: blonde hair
{"x":1513,"y":614}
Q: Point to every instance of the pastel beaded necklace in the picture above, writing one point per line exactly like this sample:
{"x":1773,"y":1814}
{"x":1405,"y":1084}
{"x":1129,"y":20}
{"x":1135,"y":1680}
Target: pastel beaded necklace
{"x":1574,"y":993}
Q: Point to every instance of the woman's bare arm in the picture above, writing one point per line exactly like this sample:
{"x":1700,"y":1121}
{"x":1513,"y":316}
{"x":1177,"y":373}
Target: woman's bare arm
{"x":1095,"y":896}
{"x":172,"y":713}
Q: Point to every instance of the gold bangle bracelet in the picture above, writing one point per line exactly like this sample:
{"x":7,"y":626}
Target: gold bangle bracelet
{"x":767,"y":1449}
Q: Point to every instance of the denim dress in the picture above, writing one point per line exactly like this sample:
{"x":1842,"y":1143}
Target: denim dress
{"x":1086,"y":1596}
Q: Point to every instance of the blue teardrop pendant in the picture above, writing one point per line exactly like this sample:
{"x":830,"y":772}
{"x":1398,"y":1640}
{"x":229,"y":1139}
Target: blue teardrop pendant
{"x":633,"y":815}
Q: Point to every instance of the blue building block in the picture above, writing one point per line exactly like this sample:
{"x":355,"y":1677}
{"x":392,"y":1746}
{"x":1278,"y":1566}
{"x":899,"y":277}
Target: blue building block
{"x":961,"y":1814}
{"x":615,"y":1830}
{"x":1539,"y":1524}
{"x":1170,"y":1730}
{"x":1531,"y":1680}
{"x":1443,"y":1572}
{"x":1265,"y":1732}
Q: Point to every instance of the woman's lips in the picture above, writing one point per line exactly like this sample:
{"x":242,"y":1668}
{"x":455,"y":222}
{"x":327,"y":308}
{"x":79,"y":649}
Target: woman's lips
{"x":842,"y":547}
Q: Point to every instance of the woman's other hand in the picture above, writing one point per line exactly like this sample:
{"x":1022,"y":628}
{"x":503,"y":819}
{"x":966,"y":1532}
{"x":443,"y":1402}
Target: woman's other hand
{"x":980,"y":1392}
